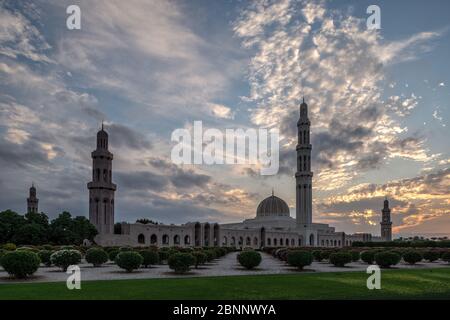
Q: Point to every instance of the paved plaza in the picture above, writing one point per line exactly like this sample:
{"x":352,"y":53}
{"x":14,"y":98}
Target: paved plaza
{"x":225,"y":266}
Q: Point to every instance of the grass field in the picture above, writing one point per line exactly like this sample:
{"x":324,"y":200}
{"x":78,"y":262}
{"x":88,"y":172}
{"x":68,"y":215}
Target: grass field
{"x":395,"y":284}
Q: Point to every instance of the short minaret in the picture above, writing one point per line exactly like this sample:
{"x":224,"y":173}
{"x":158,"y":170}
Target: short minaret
{"x":32,"y":200}
{"x":386,"y":224}
{"x":303,"y":176}
{"x":101,"y":189}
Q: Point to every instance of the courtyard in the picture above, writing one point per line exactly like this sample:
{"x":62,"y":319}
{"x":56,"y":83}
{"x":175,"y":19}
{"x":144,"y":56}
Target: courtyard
{"x":224,"y":266}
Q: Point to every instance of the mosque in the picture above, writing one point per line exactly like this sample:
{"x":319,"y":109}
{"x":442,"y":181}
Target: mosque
{"x":271,"y":227}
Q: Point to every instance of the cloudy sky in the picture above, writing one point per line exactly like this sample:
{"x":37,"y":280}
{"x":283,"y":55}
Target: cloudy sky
{"x":379,"y":105}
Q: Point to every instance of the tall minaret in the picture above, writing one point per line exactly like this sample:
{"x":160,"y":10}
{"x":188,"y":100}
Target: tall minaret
{"x":101,"y":189}
{"x":386,"y":223}
{"x":303,"y":176}
{"x":32,"y":201}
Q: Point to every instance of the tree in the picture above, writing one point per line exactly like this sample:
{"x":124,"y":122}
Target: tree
{"x":32,"y":233}
{"x":65,"y":230}
{"x":10,"y":221}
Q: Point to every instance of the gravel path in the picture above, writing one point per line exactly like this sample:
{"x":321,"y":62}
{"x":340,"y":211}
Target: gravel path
{"x":226,"y":266}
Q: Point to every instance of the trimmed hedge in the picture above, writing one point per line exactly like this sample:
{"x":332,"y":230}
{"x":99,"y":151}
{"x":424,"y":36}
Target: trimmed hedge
{"x":96,"y":256}
{"x":249,"y":259}
{"x":112,"y":254}
{"x":386,"y":259}
{"x":20,"y":264}
{"x":65,"y":258}
{"x":200,"y":258}
{"x":181,"y":262}
{"x":150,"y":257}
{"x":446,"y":257}
{"x":368,"y":256}
{"x":431,"y":255}
{"x":317,"y":254}
{"x":299,"y":258}
{"x":355,"y":255}
{"x":45,"y":255}
{"x":9,"y":247}
{"x":340,"y":259}
{"x":129,"y":260}
{"x":412,"y":256}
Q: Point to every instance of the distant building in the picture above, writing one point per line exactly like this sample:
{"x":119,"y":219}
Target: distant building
{"x":271,"y":227}
{"x":386,"y":223}
{"x":32,"y":200}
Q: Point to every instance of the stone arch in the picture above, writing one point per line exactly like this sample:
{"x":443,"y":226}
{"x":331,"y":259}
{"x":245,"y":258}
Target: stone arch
{"x":141,"y":239}
{"x":255,"y":241}
{"x":263,"y":237}
{"x":335,"y":243}
{"x":248,"y":241}
{"x":275,"y":242}
{"x":176,"y":239}
{"x":299,"y":242}
{"x":269,"y":241}
{"x":328,"y":243}
{"x":165,"y":239}
{"x":187,"y":240}
{"x":311,"y":239}
{"x":281,"y":241}
{"x":216,"y":232}
{"x":293,"y":242}
{"x":153,"y":239}
{"x":241,"y":241}
{"x":206,"y":234}
{"x":197,"y":235}
{"x":233,"y":241}
{"x":225,"y":241}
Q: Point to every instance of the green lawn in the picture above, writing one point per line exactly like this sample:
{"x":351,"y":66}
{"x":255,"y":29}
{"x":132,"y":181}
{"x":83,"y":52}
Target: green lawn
{"x":399,"y":284}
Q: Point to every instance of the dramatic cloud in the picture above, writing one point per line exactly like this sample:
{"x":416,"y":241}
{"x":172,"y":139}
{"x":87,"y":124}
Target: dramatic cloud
{"x":413,"y":201}
{"x":338,"y":66}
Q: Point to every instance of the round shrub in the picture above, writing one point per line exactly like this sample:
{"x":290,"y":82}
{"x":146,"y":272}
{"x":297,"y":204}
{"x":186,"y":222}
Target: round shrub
{"x":129,"y":260}
{"x":210,"y":255}
{"x":112,"y":254}
{"x":325,"y":254}
{"x":181,"y":262}
{"x":9,"y":247}
{"x":446,"y":257}
{"x":96,"y":256}
{"x":150,"y":257}
{"x":317,"y":255}
{"x":200,"y":258}
{"x":45,"y":255}
{"x":27,"y":249}
{"x":368,"y":256}
{"x":2,"y":253}
{"x":340,"y":259}
{"x":65,"y":258}
{"x":355,"y":255}
{"x":386,"y":259}
{"x":299,"y":259}
{"x":412,"y":256}
{"x":249,"y":259}
{"x":20,"y":264}
{"x":163,"y":255}
{"x":431,"y":255}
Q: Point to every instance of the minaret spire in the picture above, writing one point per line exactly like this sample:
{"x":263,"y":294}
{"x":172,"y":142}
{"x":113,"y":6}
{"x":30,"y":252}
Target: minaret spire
{"x":303,"y":176}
